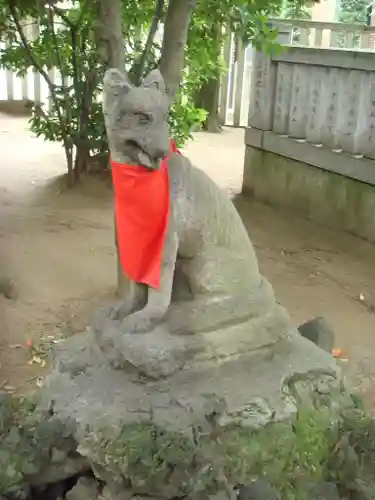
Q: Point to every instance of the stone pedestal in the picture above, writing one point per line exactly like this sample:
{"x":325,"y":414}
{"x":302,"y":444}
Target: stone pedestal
{"x":251,"y":388}
{"x":163,"y":419}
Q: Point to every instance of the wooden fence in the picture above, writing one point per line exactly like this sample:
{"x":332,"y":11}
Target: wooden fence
{"x":316,"y":105}
{"x":235,"y":89}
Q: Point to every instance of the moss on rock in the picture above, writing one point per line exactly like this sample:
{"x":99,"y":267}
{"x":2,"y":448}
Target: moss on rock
{"x":156,"y":462}
{"x":149,"y":459}
{"x":26,"y":441}
{"x":318,"y":451}
{"x":18,"y":455}
{"x":292,"y":456}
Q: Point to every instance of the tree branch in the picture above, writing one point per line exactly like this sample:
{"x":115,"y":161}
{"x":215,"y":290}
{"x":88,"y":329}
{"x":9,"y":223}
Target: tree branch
{"x":29,"y":54}
{"x":109,"y":35}
{"x":138,"y":66}
{"x":34,"y":62}
{"x":67,"y":110}
{"x":55,"y":43}
{"x":63,"y":16}
{"x":60,"y":12}
{"x":82,"y":13}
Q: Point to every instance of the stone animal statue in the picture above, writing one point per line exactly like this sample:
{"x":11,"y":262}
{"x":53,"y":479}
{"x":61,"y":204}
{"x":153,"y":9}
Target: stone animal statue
{"x":209,"y":275}
{"x":240,"y":365}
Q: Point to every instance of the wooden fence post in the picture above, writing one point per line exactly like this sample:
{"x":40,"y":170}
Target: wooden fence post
{"x":262,"y":92}
{"x":238,"y":91}
{"x":225,"y":80}
{"x":263,"y":83}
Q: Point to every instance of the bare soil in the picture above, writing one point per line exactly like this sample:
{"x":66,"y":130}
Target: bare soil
{"x":57,"y":245}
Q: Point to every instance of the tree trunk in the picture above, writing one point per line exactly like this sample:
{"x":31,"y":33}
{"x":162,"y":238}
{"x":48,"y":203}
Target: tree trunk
{"x":208,"y":96}
{"x":208,"y":99}
{"x":174,"y":40}
{"x":109,"y":36}
{"x":82,"y":161}
{"x":110,"y":43}
{"x":69,"y":162}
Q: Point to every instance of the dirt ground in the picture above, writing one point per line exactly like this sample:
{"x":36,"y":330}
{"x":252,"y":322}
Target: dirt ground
{"x":58,"y":246}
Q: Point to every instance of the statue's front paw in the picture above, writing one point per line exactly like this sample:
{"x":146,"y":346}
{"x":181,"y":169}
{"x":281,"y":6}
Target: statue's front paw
{"x":119,"y":309}
{"x":138,"y":322}
{"x":100,"y":318}
{"x":110,"y":311}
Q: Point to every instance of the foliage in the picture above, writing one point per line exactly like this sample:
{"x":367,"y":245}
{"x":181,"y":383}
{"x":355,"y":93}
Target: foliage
{"x":65,"y":40}
{"x":209,"y":31}
{"x":73,"y":115}
{"x":183,"y":117}
{"x":283,"y":453}
{"x":295,"y":10}
{"x":300,"y":9}
{"x":248,"y":20}
{"x":353,"y":11}
{"x":26,"y":441}
{"x":143,"y":454}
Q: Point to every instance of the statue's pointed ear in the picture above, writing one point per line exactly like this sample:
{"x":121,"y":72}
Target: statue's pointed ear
{"x":154,"y":79}
{"x":115,"y":82}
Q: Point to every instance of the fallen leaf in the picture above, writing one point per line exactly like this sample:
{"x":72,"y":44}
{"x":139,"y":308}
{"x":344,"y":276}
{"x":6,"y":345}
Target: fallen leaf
{"x":9,"y":388}
{"x":338,"y":353}
{"x":37,"y":360}
{"x":16,"y":346}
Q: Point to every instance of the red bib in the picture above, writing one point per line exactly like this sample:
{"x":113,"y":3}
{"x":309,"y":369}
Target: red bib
{"x":142,"y":206}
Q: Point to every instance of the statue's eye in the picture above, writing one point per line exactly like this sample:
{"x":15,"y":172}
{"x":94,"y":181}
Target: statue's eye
{"x":143,"y":117}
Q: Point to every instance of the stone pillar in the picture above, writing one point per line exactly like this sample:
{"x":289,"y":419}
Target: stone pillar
{"x":262,"y":91}
{"x":285,"y":33}
{"x":262,"y":97}
{"x":261,"y":106}
{"x":263,"y":82}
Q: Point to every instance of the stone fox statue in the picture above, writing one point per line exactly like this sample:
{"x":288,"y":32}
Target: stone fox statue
{"x":209,"y":273}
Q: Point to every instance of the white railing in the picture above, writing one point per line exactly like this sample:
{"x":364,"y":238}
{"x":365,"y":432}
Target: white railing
{"x":328,"y":34}
{"x":32,"y":86}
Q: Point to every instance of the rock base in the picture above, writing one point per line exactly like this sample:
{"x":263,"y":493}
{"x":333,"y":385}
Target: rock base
{"x":250,"y":388}
{"x":191,"y":415}
{"x":319,"y":332}
{"x":317,"y":451}
{"x":143,"y":424}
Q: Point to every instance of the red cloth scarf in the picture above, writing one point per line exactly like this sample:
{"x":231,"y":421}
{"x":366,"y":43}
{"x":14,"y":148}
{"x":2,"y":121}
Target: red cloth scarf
{"x":142,"y":208}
